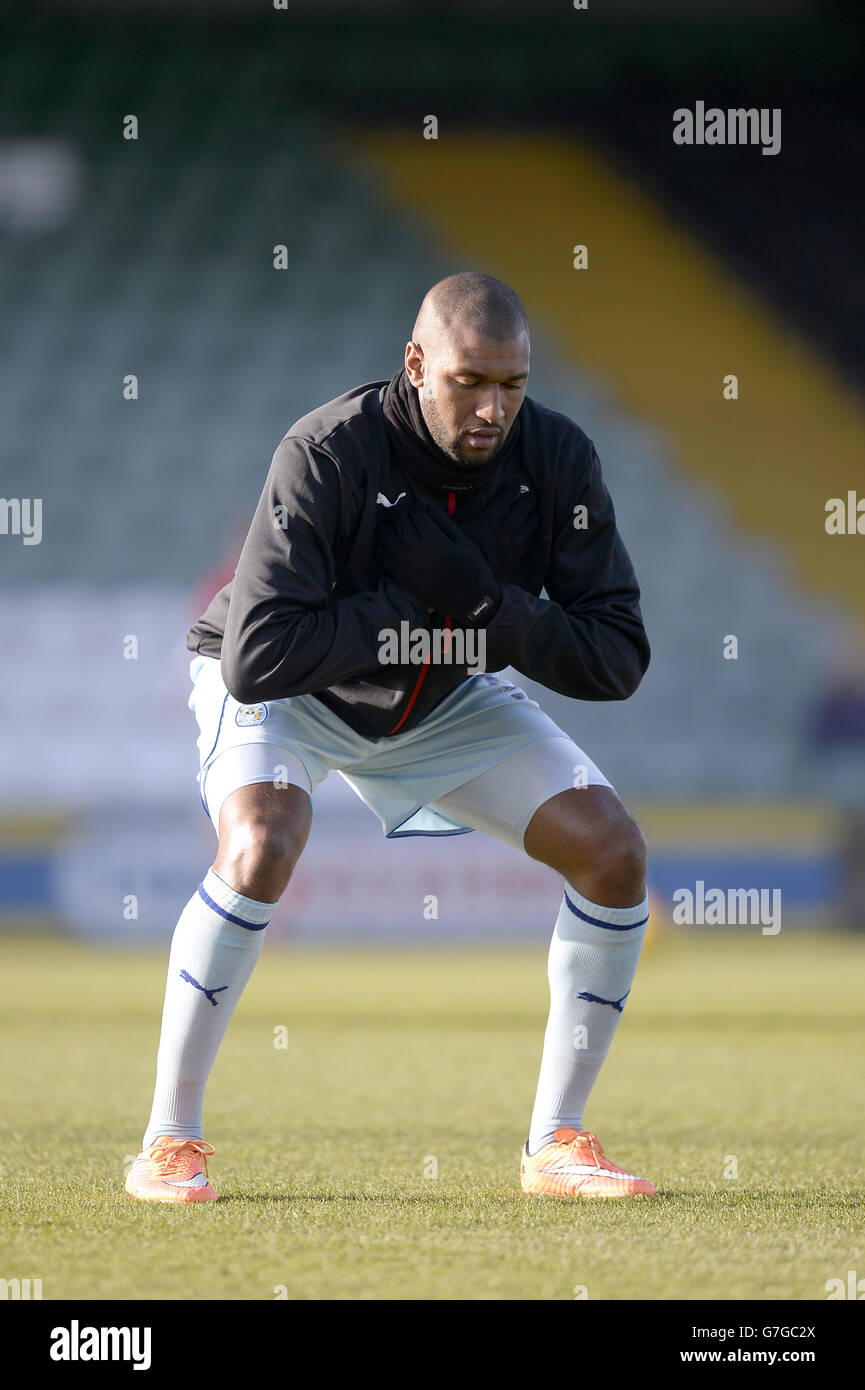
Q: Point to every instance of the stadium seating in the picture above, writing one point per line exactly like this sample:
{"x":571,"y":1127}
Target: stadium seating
{"x":165,"y":271}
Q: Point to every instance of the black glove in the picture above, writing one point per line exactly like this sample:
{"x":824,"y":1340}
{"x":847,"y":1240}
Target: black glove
{"x":505,"y":530}
{"x":427,"y":554}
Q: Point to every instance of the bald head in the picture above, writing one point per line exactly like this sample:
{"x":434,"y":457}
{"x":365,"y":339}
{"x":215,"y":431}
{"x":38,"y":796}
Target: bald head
{"x":471,"y":305}
{"x":468,"y":360}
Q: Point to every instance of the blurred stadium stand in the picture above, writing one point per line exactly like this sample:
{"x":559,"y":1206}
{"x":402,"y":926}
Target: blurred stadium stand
{"x":154,"y":257}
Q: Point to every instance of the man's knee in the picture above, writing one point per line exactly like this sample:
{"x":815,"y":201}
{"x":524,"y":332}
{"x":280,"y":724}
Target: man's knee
{"x":612,"y":852}
{"x":589,"y":837}
{"x":260,"y":843}
{"x":623,"y":857}
{"x":262,"y":833}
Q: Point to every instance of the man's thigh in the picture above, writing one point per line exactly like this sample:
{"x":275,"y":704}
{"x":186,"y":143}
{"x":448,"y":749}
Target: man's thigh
{"x":502,"y":801}
{"x":249,"y":764}
{"x":291,"y":742}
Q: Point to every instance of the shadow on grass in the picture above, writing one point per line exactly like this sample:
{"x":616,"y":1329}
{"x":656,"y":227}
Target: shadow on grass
{"x":445,"y":1198}
{"x":417,"y":1199}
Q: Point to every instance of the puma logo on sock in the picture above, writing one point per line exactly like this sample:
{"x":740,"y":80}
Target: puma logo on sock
{"x":208,"y":993}
{"x":596,"y":999}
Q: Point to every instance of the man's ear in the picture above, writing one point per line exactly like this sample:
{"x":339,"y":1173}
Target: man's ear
{"x":414,"y":364}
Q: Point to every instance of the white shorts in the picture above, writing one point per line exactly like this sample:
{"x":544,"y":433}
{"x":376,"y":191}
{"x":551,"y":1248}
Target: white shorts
{"x":485,"y":759}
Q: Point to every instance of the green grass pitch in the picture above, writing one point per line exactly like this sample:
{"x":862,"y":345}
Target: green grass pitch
{"x":376,"y":1155}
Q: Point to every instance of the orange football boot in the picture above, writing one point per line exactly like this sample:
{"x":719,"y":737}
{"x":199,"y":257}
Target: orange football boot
{"x":575,"y":1165}
{"x":172,"y":1170}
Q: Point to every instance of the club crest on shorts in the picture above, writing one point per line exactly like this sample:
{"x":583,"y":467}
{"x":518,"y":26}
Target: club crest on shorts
{"x":250,"y":714}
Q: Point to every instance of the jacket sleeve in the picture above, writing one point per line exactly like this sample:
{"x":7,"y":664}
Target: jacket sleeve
{"x":285,"y":634}
{"x":587,"y":640}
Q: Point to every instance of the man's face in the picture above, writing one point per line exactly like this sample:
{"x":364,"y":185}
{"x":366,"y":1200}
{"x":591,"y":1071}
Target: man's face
{"x":470,"y":392}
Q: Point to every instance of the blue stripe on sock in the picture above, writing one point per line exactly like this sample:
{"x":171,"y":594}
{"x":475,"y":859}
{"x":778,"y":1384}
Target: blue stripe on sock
{"x":611,"y":926}
{"x":229,"y":917}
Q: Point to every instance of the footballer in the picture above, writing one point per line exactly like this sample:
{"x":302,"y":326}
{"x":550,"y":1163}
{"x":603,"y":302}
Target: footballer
{"x":446,"y":499}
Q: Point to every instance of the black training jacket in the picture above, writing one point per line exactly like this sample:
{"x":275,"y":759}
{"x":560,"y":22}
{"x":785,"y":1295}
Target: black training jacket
{"x":308,"y":599}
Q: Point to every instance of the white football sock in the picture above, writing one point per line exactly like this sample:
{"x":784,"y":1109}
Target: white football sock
{"x":215,"y":946}
{"x":593,"y":957}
